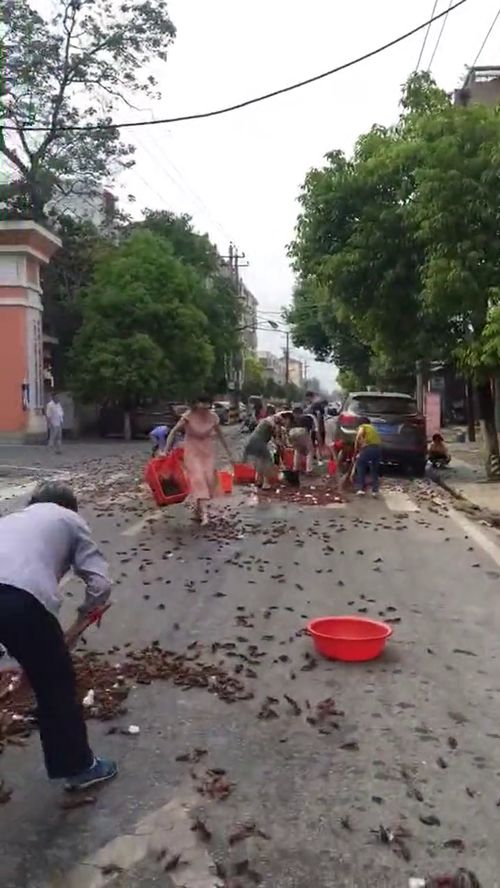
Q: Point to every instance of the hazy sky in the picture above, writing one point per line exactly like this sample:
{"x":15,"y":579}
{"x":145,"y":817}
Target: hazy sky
{"x":239,"y":175}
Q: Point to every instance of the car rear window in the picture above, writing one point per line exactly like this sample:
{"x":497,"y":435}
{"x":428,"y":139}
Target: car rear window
{"x":378,"y":406}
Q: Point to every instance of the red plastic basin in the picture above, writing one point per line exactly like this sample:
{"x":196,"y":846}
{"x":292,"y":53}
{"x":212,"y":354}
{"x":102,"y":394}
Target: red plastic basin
{"x":349,"y":638}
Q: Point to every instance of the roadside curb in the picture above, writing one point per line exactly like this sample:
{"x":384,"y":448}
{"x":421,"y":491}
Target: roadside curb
{"x":464,"y":504}
{"x":438,"y":479}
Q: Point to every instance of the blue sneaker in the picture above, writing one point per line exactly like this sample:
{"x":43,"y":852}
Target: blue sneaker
{"x":100,"y":771}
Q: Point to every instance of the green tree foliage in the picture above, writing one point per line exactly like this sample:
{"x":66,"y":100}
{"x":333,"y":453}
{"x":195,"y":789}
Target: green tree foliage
{"x":253,"y":377}
{"x":141,"y":295}
{"x":216,"y":295}
{"x":64,"y":280}
{"x":77,"y":67}
{"x":396,"y":248}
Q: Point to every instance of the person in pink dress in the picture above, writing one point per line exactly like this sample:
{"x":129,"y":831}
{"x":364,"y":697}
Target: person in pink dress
{"x":201,"y":429}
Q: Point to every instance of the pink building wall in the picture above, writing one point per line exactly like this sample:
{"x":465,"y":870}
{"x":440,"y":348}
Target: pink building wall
{"x":24,"y":246}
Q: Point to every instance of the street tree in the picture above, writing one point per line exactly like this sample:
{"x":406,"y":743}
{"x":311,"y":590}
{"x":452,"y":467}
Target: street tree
{"x":253,"y":377}
{"x":76,"y":67}
{"x":216,"y":295}
{"x":455,"y":211}
{"x":141,"y":293}
{"x":64,"y":280}
{"x":397,"y":246}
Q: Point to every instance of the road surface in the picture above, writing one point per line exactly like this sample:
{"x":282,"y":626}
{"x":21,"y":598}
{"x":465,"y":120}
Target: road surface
{"x":410,"y":753}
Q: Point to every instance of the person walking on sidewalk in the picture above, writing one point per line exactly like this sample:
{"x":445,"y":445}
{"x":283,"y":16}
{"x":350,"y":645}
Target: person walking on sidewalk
{"x":38,"y":545}
{"x":368,"y":453}
{"x":55,"y":419}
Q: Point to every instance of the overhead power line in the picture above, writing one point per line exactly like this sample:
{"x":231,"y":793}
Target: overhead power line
{"x":438,"y":41}
{"x":426,"y":35}
{"x":488,"y":33}
{"x":244,"y":104}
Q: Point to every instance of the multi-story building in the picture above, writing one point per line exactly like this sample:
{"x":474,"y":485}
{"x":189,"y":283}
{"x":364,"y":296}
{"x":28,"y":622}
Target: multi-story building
{"x":295,"y":371}
{"x":92,"y":205}
{"x":249,"y":306}
{"x":481,"y":85}
{"x":273,"y":366}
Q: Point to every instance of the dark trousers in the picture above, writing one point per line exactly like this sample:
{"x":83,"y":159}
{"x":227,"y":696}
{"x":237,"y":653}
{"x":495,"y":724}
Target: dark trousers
{"x":369,"y":461}
{"x":35,"y":639}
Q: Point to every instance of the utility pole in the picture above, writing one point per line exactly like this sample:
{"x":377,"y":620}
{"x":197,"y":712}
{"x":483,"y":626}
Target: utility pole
{"x":287,"y":358}
{"x":234,"y":257}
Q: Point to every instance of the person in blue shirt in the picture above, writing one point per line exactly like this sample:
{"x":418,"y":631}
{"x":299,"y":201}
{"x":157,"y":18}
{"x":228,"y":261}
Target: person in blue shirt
{"x":158,"y":437}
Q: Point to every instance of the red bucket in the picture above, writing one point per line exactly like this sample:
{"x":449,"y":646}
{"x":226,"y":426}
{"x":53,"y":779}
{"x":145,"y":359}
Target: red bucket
{"x":243,"y":473}
{"x":225,"y":481}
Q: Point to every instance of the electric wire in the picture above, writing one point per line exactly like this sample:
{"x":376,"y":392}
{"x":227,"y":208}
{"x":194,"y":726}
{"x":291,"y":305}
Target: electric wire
{"x":488,"y":33}
{"x":426,"y":35}
{"x":438,"y":41}
{"x":246,"y":103}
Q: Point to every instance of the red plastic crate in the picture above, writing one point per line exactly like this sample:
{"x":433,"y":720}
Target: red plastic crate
{"x":169,"y":466}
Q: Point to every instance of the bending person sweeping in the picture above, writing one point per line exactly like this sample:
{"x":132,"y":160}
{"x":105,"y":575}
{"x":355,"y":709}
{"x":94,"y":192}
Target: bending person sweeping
{"x":368,"y":453}
{"x":38,"y":546}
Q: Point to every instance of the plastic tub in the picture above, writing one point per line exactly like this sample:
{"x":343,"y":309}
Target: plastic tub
{"x":243,"y":473}
{"x":349,"y":638}
{"x":225,"y":481}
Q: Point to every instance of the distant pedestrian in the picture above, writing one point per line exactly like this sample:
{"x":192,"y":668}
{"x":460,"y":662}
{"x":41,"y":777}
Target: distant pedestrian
{"x":367,"y":453}
{"x":55,"y":420}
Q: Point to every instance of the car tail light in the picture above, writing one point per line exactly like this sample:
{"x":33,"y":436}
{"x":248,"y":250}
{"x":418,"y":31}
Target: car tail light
{"x":348,"y":419}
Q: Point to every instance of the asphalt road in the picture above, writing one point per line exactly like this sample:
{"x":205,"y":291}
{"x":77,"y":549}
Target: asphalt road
{"x":415,"y":746}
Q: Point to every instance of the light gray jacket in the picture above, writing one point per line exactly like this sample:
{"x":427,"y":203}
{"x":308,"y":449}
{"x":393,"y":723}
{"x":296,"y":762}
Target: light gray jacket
{"x":40,"y":544}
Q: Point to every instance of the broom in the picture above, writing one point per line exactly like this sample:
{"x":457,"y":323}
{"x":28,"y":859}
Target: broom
{"x":349,"y":478}
{"x":14,"y":681}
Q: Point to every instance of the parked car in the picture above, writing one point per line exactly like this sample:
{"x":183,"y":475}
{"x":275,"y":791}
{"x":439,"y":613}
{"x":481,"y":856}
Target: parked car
{"x":398,"y":421}
{"x":143,"y":419}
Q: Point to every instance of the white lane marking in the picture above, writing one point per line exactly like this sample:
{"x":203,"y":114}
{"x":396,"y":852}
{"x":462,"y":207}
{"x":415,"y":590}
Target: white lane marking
{"x":136,"y":528}
{"x":475,"y":533}
{"x":166,"y":830}
{"x":398,"y":501}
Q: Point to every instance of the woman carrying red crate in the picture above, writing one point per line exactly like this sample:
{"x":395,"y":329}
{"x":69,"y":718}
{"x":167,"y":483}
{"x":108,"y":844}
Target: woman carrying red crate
{"x":201,"y":429}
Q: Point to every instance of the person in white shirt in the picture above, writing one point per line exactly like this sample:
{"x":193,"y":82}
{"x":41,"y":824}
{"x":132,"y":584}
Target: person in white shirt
{"x":55,"y":419}
{"x":38,"y":546}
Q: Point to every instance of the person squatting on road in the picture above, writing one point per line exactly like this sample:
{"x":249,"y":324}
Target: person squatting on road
{"x":38,"y":546}
{"x":438,"y":453}
{"x":367,"y":454}
{"x":201,"y":427}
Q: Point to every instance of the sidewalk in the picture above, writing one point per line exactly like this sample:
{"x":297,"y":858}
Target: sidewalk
{"x":465,"y":478}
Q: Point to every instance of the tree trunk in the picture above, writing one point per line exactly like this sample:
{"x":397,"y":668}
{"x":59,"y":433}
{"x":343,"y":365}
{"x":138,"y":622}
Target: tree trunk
{"x":470,"y":411}
{"x":127,"y":425}
{"x":497,"y":400}
{"x":486,"y":403}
